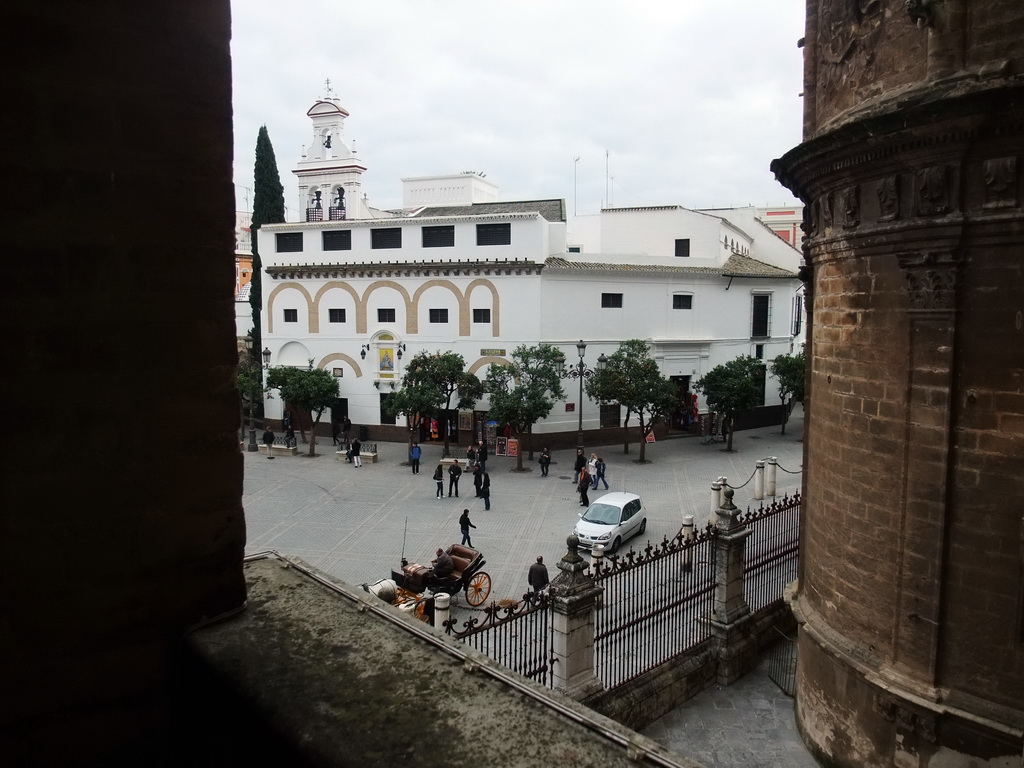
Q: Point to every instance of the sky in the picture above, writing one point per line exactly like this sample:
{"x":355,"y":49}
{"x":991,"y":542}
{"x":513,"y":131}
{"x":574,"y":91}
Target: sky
{"x":664,"y":102}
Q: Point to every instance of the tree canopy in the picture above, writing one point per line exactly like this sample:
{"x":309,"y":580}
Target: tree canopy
{"x":733,"y":386}
{"x":632,"y":378}
{"x":267,"y":208}
{"x":311,"y":390}
{"x":525,"y":390}
{"x":790,"y":370}
{"x":432,"y":380}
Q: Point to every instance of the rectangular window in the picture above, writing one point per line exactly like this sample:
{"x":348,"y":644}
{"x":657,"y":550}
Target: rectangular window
{"x":291,"y":315}
{"x":439,"y":315}
{"x":798,"y":314}
{"x":611,"y":300}
{"x":760,"y":315}
{"x":386,"y":238}
{"x":759,"y":351}
{"x":288,"y":242}
{"x":493,"y":234}
{"x":340,"y":240}
{"x":682,"y":301}
{"x":439,"y":237}
{"x":336,"y":315}
{"x":683,"y":247}
{"x":610,"y":414}
{"x":574,"y":249}
{"x":481,"y":315}
{"x":385,"y":315}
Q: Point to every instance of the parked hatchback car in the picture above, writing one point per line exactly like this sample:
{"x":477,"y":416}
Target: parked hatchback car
{"x":611,"y":520}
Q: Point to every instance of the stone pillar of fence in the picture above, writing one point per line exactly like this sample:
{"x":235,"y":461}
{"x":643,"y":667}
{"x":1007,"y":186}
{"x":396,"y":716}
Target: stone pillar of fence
{"x":730,"y":614}
{"x":759,"y":479}
{"x":771,"y":476}
{"x":573,"y":595}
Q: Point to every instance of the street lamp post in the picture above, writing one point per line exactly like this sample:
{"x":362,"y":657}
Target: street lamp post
{"x":581,"y":371}
{"x":251,"y":447}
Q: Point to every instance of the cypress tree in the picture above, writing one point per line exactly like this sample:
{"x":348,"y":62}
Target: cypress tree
{"x":267,"y":208}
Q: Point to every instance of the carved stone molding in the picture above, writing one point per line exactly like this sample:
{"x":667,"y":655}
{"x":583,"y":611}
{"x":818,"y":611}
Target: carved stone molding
{"x":908,"y":720}
{"x":826,"y":212}
{"x":931,"y":187}
{"x":922,"y":12}
{"x":850,"y":202}
{"x":1000,"y":177}
{"x":931,"y":279}
{"x":889,"y":198}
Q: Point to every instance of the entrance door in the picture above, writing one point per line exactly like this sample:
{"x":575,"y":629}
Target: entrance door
{"x":682,"y":413}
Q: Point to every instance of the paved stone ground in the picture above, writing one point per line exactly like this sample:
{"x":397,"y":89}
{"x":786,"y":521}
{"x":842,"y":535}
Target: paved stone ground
{"x":355,"y":523}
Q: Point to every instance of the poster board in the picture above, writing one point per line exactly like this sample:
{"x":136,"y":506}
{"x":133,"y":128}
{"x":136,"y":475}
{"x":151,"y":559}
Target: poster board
{"x":513,"y":447}
{"x":502,"y":447}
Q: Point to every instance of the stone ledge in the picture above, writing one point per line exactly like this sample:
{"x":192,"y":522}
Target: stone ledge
{"x":367,"y":457}
{"x":280,"y":450}
{"x":349,"y":680}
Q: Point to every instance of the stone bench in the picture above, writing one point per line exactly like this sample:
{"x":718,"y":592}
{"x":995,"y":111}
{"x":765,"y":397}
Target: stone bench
{"x":367,"y":457}
{"x":464,"y":463}
{"x":280,"y":449}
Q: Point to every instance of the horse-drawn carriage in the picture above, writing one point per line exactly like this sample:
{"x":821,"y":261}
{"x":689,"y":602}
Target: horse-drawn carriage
{"x":466,"y":577}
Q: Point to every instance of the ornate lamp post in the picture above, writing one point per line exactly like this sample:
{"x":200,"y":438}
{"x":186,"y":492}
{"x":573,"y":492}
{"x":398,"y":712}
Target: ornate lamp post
{"x":580,"y":371}
{"x":250,"y":365}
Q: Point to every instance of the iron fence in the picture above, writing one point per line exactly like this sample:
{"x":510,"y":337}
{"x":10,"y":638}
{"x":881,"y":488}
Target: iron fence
{"x":771,"y":554}
{"x":781,"y":664}
{"x":651,"y":604}
{"x":517,"y":636}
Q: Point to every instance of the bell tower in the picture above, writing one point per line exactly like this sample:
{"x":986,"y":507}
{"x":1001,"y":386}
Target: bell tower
{"x":329,"y":173}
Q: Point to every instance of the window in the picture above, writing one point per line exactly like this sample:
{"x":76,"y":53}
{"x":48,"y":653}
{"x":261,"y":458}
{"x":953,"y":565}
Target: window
{"x":288,"y":242}
{"x":493,"y":234}
{"x":291,"y":315}
{"x":610,"y":414}
{"x":798,"y":314}
{"x":439,"y":315}
{"x":341,"y":240}
{"x":574,"y":249}
{"x":683,"y":247}
{"x":760,"y":315}
{"x":386,"y":415}
{"x":682,"y":301}
{"x":336,"y":315}
{"x":439,"y":237}
{"x":481,"y":315}
{"x":385,"y":315}
{"x":759,"y":351}
{"x":611,"y":300}
{"x":386,"y":238}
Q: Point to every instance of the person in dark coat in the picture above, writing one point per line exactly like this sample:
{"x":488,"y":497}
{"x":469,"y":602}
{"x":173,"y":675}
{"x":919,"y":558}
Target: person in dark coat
{"x":441,"y":567}
{"x":583,"y":487}
{"x":485,"y":489}
{"x":268,"y":440}
{"x":454,"y":473}
{"x":439,"y":479}
{"x":538,"y":575}
{"x":356,"y":447}
{"x":335,"y":432}
{"x":481,"y":455}
{"x":545,"y":462}
{"x":465,"y":525}
{"x":414,"y":457}
{"x":579,"y":465}
{"x":478,"y":477}
{"x":601,"y":467}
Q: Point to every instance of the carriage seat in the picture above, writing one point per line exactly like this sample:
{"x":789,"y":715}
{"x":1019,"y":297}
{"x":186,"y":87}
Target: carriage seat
{"x":461,"y":557}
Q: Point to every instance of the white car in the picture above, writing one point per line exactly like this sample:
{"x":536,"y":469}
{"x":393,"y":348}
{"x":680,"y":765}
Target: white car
{"x":611,"y":520}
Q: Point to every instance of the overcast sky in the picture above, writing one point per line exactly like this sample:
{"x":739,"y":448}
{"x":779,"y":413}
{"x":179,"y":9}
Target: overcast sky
{"x":691,"y":99}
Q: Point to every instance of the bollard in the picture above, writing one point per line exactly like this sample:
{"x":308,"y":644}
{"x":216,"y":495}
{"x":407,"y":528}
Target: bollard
{"x":716,"y":499}
{"x":687,"y":532}
{"x":771,"y":476}
{"x":442,"y":603}
{"x":759,"y":479}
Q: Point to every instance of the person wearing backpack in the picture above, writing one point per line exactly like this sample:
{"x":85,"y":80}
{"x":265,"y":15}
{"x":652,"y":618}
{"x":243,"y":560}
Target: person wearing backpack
{"x":439,"y":479}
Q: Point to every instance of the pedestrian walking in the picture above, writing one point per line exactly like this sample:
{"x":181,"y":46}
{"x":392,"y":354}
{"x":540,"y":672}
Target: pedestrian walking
{"x":465,"y":525}
{"x":485,"y":489}
{"x":579,"y":465}
{"x":545,"y":461}
{"x":471,"y":456}
{"x":268,"y":440}
{"x":478,"y":478}
{"x":289,"y":438}
{"x":481,"y":455}
{"x":346,"y":427}
{"x":599,"y":477}
{"x":583,"y":487}
{"x":356,"y":447}
{"x":538,"y":575}
{"x":592,"y":466}
{"x":414,"y":457}
{"x":335,"y":432}
{"x":439,"y":479}
{"x":454,"y":473}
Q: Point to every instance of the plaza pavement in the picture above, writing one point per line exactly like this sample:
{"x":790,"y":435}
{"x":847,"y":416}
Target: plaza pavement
{"x":353,"y":523}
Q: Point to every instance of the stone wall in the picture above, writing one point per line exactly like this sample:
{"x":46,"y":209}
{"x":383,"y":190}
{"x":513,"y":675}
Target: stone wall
{"x":122,"y":521}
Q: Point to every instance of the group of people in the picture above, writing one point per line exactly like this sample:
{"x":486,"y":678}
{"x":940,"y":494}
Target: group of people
{"x":476,"y":461}
{"x":587,"y":474}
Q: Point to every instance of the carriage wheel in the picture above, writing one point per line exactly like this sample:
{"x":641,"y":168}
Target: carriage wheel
{"x":478,"y":588}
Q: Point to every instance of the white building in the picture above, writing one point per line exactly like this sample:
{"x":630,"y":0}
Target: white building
{"x":357,"y":296}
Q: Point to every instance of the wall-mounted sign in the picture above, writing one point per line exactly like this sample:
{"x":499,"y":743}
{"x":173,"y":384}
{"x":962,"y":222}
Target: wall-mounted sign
{"x":492,"y":353}
{"x":339,"y":372}
{"x":570,"y":407}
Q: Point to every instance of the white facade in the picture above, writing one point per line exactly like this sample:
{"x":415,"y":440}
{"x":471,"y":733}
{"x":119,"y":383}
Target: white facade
{"x":480,"y":278}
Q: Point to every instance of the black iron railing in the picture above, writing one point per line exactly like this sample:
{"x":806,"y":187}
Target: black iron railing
{"x":771,"y":555}
{"x":651,"y":604}
{"x":517,"y":636}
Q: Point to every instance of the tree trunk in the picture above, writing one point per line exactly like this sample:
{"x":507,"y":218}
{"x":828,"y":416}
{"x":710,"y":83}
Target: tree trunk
{"x":312,"y":434}
{"x":643,"y":442}
{"x":519,"y":453}
{"x":728,"y":445}
{"x":785,"y":416}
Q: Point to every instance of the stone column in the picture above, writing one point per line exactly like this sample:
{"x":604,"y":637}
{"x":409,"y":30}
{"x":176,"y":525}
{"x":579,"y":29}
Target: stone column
{"x":731,"y":613}
{"x":573,"y":595}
